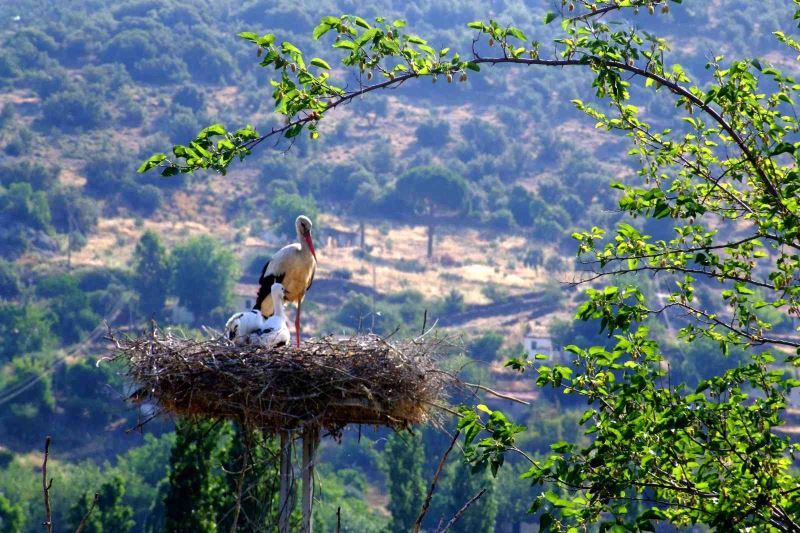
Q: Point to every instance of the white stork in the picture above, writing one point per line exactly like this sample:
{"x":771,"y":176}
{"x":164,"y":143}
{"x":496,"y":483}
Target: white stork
{"x":275,"y":331}
{"x":241,"y":325}
{"x":293,"y":266}
{"x":252,"y":327}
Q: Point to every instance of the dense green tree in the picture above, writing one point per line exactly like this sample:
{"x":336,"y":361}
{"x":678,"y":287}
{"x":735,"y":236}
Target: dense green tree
{"x":71,"y":212}
{"x":70,"y":110}
{"x":404,"y":457}
{"x":22,"y":205}
{"x":485,"y":347}
{"x":70,"y":306}
{"x":39,"y":176}
{"x":203,"y":274}
{"x":12,"y":518}
{"x":433,"y":134}
{"x":432,"y":193}
{"x":9,"y":280}
{"x":111,"y":515}
{"x":24,"y":329}
{"x":251,"y":469}
{"x":192,"y":495}
{"x":151,"y":274}
{"x":26,"y":417}
{"x":286,"y":207}
{"x":458,"y":485}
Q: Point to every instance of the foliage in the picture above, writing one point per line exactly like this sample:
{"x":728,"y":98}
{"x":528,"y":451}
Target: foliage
{"x":9,"y":280}
{"x":203,"y":273}
{"x":485,"y":347}
{"x":259,"y":484}
{"x":21,"y":204}
{"x":193,"y":486}
{"x":69,"y":305}
{"x":404,"y":459}
{"x":24,"y":330}
{"x":151,"y":274}
{"x":286,"y":207}
{"x":111,"y":515}
{"x":11,"y":516}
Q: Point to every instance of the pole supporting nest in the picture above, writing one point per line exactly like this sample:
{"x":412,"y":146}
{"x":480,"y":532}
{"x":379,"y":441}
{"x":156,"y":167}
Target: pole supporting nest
{"x":287,"y":479}
{"x":310,"y":444}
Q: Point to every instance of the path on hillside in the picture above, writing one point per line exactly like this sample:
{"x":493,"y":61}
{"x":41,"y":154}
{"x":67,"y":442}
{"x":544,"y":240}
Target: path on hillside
{"x":330,"y":291}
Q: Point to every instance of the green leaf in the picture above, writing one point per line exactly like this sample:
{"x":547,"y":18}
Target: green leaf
{"x":473,"y":66}
{"x":361,"y":22}
{"x":317,"y":62}
{"x":153,"y":161}
{"x":345,"y":43}
{"x":248,"y":35}
{"x":550,"y":17}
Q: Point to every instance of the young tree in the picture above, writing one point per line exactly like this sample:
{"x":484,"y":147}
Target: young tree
{"x":251,"y":476}
{"x":12,"y":517}
{"x":286,"y":207}
{"x":203,"y":274}
{"x":404,"y":459}
{"x":151,"y":273}
{"x":110,"y":514}
{"x":726,"y":161}
{"x":192,"y":496}
{"x":433,"y":193}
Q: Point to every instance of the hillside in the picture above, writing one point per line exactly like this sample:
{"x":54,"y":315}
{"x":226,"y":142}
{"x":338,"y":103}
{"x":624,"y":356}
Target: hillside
{"x":92,"y":89}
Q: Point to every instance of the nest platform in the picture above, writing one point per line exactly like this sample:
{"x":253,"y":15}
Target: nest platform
{"x":328,"y":382}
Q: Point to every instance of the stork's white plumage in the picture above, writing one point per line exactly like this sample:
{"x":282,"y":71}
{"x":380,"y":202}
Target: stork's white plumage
{"x":276,"y":328}
{"x":251,"y":327}
{"x":241,"y":325}
{"x":293,"y":266}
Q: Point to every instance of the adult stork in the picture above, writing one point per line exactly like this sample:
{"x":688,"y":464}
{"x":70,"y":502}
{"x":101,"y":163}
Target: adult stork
{"x":292,"y":266}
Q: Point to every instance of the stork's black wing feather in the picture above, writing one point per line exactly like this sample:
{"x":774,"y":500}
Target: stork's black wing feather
{"x":265,"y":285}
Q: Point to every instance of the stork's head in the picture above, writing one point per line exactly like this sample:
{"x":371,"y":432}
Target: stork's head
{"x":278,"y":291}
{"x":303,"y":225}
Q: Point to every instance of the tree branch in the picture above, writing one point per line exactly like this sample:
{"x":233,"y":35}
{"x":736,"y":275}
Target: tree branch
{"x":48,"y":521}
{"x":462,"y":511}
{"x":82,"y":525}
{"x":427,"y":501}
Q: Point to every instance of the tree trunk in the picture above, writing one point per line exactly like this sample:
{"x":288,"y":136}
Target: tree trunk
{"x":361,"y":231}
{"x":285,"y":502}
{"x":310,"y":442}
{"x":430,"y":241}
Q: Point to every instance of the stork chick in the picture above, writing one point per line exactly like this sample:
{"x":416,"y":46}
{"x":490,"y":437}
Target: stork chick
{"x":293,"y":266}
{"x":275,"y":331}
{"x":241,"y":325}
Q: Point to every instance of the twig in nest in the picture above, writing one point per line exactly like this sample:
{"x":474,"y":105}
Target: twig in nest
{"x":427,"y":501}
{"x":48,"y":521}
{"x":462,"y":511}
{"x":88,"y":513}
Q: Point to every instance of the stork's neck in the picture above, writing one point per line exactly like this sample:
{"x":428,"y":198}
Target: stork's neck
{"x":277,"y":305}
{"x":302,"y":240}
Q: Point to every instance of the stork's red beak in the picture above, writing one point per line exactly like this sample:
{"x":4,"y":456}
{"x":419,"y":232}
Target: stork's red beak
{"x":311,"y":244}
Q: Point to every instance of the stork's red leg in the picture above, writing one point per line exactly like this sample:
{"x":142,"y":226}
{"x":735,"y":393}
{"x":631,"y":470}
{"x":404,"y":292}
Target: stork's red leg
{"x":297,"y":324}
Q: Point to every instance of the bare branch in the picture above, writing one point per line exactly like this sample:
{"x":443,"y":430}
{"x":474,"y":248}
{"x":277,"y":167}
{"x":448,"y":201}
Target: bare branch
{"x":82,"y":525}
{"x":462,"y":511}
{"x":48,"y":521}
{"x":435,"y":480}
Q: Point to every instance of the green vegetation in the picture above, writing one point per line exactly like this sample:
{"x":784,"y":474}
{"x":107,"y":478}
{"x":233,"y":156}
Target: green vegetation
{"x":707,"y":202}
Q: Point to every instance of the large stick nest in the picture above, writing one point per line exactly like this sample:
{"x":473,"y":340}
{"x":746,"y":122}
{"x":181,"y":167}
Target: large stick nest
{"x":328,"y":381}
